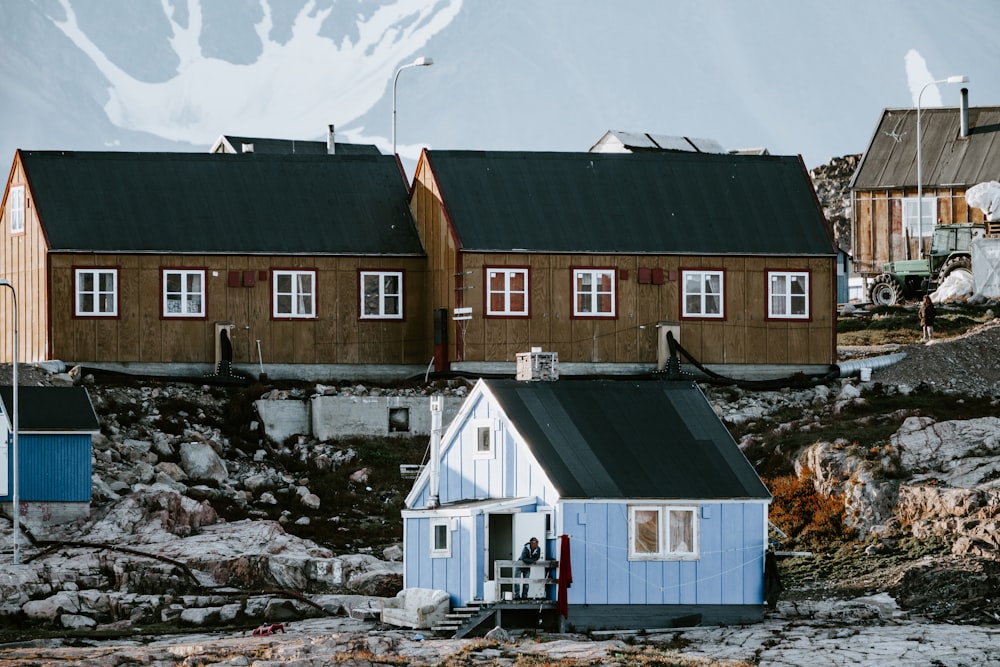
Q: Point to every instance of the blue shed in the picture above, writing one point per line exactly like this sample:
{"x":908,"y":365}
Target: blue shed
{"x":56,"y":425}
{"x":637,"y":483}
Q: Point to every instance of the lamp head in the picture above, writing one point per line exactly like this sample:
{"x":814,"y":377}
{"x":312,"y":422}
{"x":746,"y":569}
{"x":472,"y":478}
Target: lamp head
{"x":957,"y":79}
{"x":4,"y":281}
{"x":423,"y":61}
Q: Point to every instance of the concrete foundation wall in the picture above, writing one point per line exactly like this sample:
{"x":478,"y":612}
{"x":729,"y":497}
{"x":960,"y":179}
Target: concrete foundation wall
{"x":403,"y":416}
{"x":37,"y":516}
{"x":333,"y":417}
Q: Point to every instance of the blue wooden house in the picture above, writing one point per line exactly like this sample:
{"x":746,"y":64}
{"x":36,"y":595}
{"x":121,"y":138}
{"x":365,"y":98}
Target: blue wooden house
{"x":637,"y":483}
{"x":56,"y":425}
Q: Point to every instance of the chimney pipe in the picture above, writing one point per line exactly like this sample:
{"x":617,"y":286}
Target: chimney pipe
{"x":331,"y":146}
{"x":965,"y":113}
{"x":437,"y":403}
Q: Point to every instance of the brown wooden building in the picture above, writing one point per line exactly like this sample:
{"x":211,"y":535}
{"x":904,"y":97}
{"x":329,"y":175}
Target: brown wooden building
{"x":593,"y":256}
{"x":123,"y":260}
{"x":960,"y":147}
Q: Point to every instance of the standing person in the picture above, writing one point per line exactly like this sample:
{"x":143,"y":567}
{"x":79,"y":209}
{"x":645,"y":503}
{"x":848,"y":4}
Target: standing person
{"x":530,"y":554}
{"x":927,"y":314}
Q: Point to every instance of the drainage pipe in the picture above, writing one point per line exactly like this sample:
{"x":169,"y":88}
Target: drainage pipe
{"x":851,"y":367}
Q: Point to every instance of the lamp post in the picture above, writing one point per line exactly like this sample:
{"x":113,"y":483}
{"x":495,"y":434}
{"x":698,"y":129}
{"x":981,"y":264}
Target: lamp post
{"x":16,"y":468}
{"x":920,"y":172}
{"x":419,"y":62}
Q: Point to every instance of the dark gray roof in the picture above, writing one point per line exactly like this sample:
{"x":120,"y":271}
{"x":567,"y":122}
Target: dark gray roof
{"x":652,"y":202}
{"x":628,"y":439}
{"x":211,"y":203}
{"x":948,"y":159}
{"x":51,"y":408}
{"x":265,"y":146}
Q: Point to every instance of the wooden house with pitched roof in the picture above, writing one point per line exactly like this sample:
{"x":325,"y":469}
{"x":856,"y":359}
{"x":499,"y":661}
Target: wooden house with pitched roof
{"x":960,"y":148}
{"x":635,"y":490}
{"x":130,"y":261}
{"x":593,"y":256}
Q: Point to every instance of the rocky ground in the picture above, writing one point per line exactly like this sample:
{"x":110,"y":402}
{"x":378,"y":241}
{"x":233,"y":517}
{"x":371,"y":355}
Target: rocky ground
{"x":301,"y":532}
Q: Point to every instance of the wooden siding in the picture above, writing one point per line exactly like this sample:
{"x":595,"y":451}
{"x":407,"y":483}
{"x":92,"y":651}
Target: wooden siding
{"x":23,"y":263}
{"x":878,"y":234}
{"x":744,"y":336}
{"x":729,"y":570}
{"x":141,"y":334}
{"x":447,"y":574}
{"x":445,"y":285}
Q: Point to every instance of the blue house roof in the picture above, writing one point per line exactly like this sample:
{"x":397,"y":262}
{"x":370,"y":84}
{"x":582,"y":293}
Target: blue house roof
{"x":628,"y":439}
{"x":51,"y":408}
{"x":662,"y":202}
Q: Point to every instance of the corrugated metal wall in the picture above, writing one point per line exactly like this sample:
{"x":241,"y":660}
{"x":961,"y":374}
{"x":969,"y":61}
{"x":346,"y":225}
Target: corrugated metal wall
{"x":55,"y":468}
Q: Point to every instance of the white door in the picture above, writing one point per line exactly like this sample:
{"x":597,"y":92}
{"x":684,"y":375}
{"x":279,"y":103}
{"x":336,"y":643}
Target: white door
{"x":526,"y":526}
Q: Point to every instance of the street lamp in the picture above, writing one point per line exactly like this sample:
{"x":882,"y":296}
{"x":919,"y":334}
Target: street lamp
{"x":17,"y":472}
{"x":419,"y":62}
{"x":920,"y":176}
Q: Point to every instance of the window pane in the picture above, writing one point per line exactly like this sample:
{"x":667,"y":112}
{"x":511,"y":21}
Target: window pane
{"x":517,"y":281}
{"x":681,"y":531}
{"x":440,"y":537}
{"x":778,"y":305}
{"x":647,"y":531}
{"x":497,"y":302}
{"x":392,"y":285}
{"x":517,"y":303}
{"x":604,"y":303}
{"x":483,"y":444}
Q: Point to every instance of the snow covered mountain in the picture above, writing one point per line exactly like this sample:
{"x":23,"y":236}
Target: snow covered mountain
{"x":795,"y":77}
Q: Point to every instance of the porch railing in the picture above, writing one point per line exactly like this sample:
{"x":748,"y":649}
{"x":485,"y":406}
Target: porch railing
{"x":508,"y":584}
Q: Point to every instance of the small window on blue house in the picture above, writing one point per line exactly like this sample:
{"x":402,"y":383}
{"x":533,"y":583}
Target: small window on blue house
{"x":440,"y":538}
{"x":485,"y":432}
{"x":662,"y":532}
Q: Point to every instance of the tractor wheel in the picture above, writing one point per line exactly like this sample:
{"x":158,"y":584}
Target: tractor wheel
{"x":955,"y":264}
{"x":885,"y":291}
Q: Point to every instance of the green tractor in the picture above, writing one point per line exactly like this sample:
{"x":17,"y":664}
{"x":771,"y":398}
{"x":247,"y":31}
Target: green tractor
{"x":951,"y":250}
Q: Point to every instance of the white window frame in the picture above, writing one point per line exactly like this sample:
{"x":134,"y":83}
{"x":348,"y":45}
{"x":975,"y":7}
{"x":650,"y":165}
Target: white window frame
{"x":99,"y":295}
{"x":445,"y":526}
{"x":781,"y":305}
{"x":592,"y":294}
{"x":664,"y":547}
{"x":185,"y":296}
{"x":928,"y":212}
{"x":508,"y":275}
{"x":383,"y":296}
{"x":16,"y":199}
{"x":491,"y":429}
{"x":699,"y":277}
{"x":296,"y":295}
